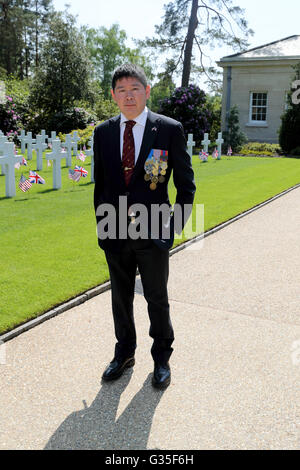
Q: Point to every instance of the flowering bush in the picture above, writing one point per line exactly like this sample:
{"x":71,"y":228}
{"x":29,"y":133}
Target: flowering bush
{"x":188,"y":106}
{"x":10,"y":120}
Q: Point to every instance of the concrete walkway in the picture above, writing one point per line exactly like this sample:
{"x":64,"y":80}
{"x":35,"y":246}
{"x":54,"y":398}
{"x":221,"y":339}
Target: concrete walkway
{"x":235,"y":302}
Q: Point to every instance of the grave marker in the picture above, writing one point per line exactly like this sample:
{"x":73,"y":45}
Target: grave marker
{"x":39,"y":147}
{"x":9,"y":159}
{"x":219,"y":141}
{"x":190,"y":145}
{"x":56,"y":156}
{"x":205,"y":142}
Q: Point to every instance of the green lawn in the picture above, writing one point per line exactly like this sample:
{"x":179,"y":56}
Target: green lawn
{"x":48,"y":243}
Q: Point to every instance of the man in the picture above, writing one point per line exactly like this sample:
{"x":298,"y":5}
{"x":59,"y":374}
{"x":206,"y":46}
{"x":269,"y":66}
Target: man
{"x":134,"y":156}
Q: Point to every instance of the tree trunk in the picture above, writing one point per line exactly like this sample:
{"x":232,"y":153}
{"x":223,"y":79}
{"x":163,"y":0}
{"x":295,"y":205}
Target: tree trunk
{"x":193,"y":23}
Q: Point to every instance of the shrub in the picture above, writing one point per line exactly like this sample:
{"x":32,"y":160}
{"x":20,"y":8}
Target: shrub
{"x":188,"y":106}
{"x":10,"y":123}
{"x":260,"y":148}
{"x":84,"y":134}
{"x":234,"y":138}
{"x":289,"y":135}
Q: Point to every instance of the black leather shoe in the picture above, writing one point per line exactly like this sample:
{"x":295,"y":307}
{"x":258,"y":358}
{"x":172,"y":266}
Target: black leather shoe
{"x":117,"y":367}
{"x":161,"y":376}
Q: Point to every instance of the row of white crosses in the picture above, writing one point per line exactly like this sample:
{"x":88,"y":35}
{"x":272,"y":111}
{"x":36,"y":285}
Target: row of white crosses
{"x":205,"y":142}
{"x":60,"y":150}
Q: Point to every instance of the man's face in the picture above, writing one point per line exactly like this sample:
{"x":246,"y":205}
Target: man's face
{"x":131,"y":96}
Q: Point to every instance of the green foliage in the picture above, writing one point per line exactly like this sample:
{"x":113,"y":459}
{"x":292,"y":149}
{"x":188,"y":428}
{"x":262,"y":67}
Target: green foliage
{"x":260,"y":148}
{"x":84,"y":134}
{"x":22,"y":25}
{"x":107,"y":49}
{"x":214,"y":105}
{"x":64,"y":72}
{"x":289,"y":135}
{"x":160,"y":91}
{"x":194,"y":24}
{"x":105,"y":108}
{"x":233,"y":136}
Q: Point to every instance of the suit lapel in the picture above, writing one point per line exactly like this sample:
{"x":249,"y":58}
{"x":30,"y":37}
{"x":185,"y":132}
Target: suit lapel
{"x":150,"y":134}
{"x":116,"y":162}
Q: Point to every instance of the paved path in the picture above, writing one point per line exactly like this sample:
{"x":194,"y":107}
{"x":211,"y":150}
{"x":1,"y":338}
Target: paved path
{"x":235,"y":302}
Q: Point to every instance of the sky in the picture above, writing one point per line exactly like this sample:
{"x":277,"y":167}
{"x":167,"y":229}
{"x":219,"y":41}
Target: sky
{"x":270,"y":19}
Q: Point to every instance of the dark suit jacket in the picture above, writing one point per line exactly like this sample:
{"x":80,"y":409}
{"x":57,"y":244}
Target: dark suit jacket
{"x":161,"y":133}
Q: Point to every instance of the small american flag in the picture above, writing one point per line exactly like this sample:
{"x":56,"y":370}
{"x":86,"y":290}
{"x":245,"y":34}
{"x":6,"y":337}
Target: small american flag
{"x":74,"y":175}
{"x":203,"y":156}
{"x":34,"y":178}
{"x":24,"y":184}
{"x":81,"y":171}
{"x":24,"y":162}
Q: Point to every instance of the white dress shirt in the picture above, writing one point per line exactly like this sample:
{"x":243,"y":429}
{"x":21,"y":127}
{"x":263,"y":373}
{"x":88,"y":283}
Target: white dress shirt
{"x":137,"y":130}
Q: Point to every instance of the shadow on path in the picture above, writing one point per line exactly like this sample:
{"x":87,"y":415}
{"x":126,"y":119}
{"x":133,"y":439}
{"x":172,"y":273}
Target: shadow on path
{"x":96,"y":427}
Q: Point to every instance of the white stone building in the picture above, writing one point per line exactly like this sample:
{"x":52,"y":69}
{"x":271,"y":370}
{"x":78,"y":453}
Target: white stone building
{"x":257,"y":81}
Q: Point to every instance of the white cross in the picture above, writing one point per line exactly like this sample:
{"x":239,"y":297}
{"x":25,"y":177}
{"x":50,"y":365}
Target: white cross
{"x":219,"y":141}
{"x":75,"y":140}
{"x":56,"y":155}
{"x":44,"y":136}
{"x":39,"y":147}
{"x":68,"y":146}
{"x":53,"y":137}
{"x":9,"y":159}
{"x":29,"y":141}
{"x":190,"y":145}
{"x":205,"y":143}
{"x":90,"y":153}
{"x":3,"y":139}
{"x":22,"y":138}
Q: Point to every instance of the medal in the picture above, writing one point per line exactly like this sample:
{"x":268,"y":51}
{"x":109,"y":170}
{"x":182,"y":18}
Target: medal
{"x":155,"y":167}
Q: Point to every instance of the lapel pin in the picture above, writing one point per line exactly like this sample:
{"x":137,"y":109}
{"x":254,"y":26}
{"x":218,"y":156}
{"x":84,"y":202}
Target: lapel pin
{"x":154,"y":129}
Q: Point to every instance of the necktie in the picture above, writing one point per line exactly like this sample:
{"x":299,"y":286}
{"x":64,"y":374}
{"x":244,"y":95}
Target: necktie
{"x":128,"y":155}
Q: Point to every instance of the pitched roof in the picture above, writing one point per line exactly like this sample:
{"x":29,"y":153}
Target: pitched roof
{"x":284,"y":48}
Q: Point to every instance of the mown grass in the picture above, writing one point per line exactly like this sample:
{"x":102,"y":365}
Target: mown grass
{"x":48,"y":242}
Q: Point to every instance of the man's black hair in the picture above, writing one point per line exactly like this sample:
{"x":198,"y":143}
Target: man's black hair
{"x":129,"y":70}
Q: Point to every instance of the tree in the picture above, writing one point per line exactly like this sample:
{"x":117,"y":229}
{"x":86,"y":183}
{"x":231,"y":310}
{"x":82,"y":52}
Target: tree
{"x":234,"y":137}
{"x":200,"y":23}
{"x":22,"y":22}
{"x":64,"y":72}
{"x":289,"y":136}
{"x":107,"y":48}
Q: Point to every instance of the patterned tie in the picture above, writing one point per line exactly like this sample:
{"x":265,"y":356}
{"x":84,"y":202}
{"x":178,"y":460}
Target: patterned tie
{"x":128,"y":156}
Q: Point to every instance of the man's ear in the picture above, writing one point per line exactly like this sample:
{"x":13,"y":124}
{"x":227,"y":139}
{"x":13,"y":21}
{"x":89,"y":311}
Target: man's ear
{"x":148,"y":89}
{"x":112,"y":94}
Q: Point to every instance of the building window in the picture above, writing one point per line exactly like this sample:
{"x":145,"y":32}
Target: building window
{"x":258,"y":107}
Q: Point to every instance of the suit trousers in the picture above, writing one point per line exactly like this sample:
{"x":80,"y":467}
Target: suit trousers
{"x":153,"y":265}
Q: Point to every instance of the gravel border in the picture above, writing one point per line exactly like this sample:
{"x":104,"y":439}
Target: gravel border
{"x":106,"y":286}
